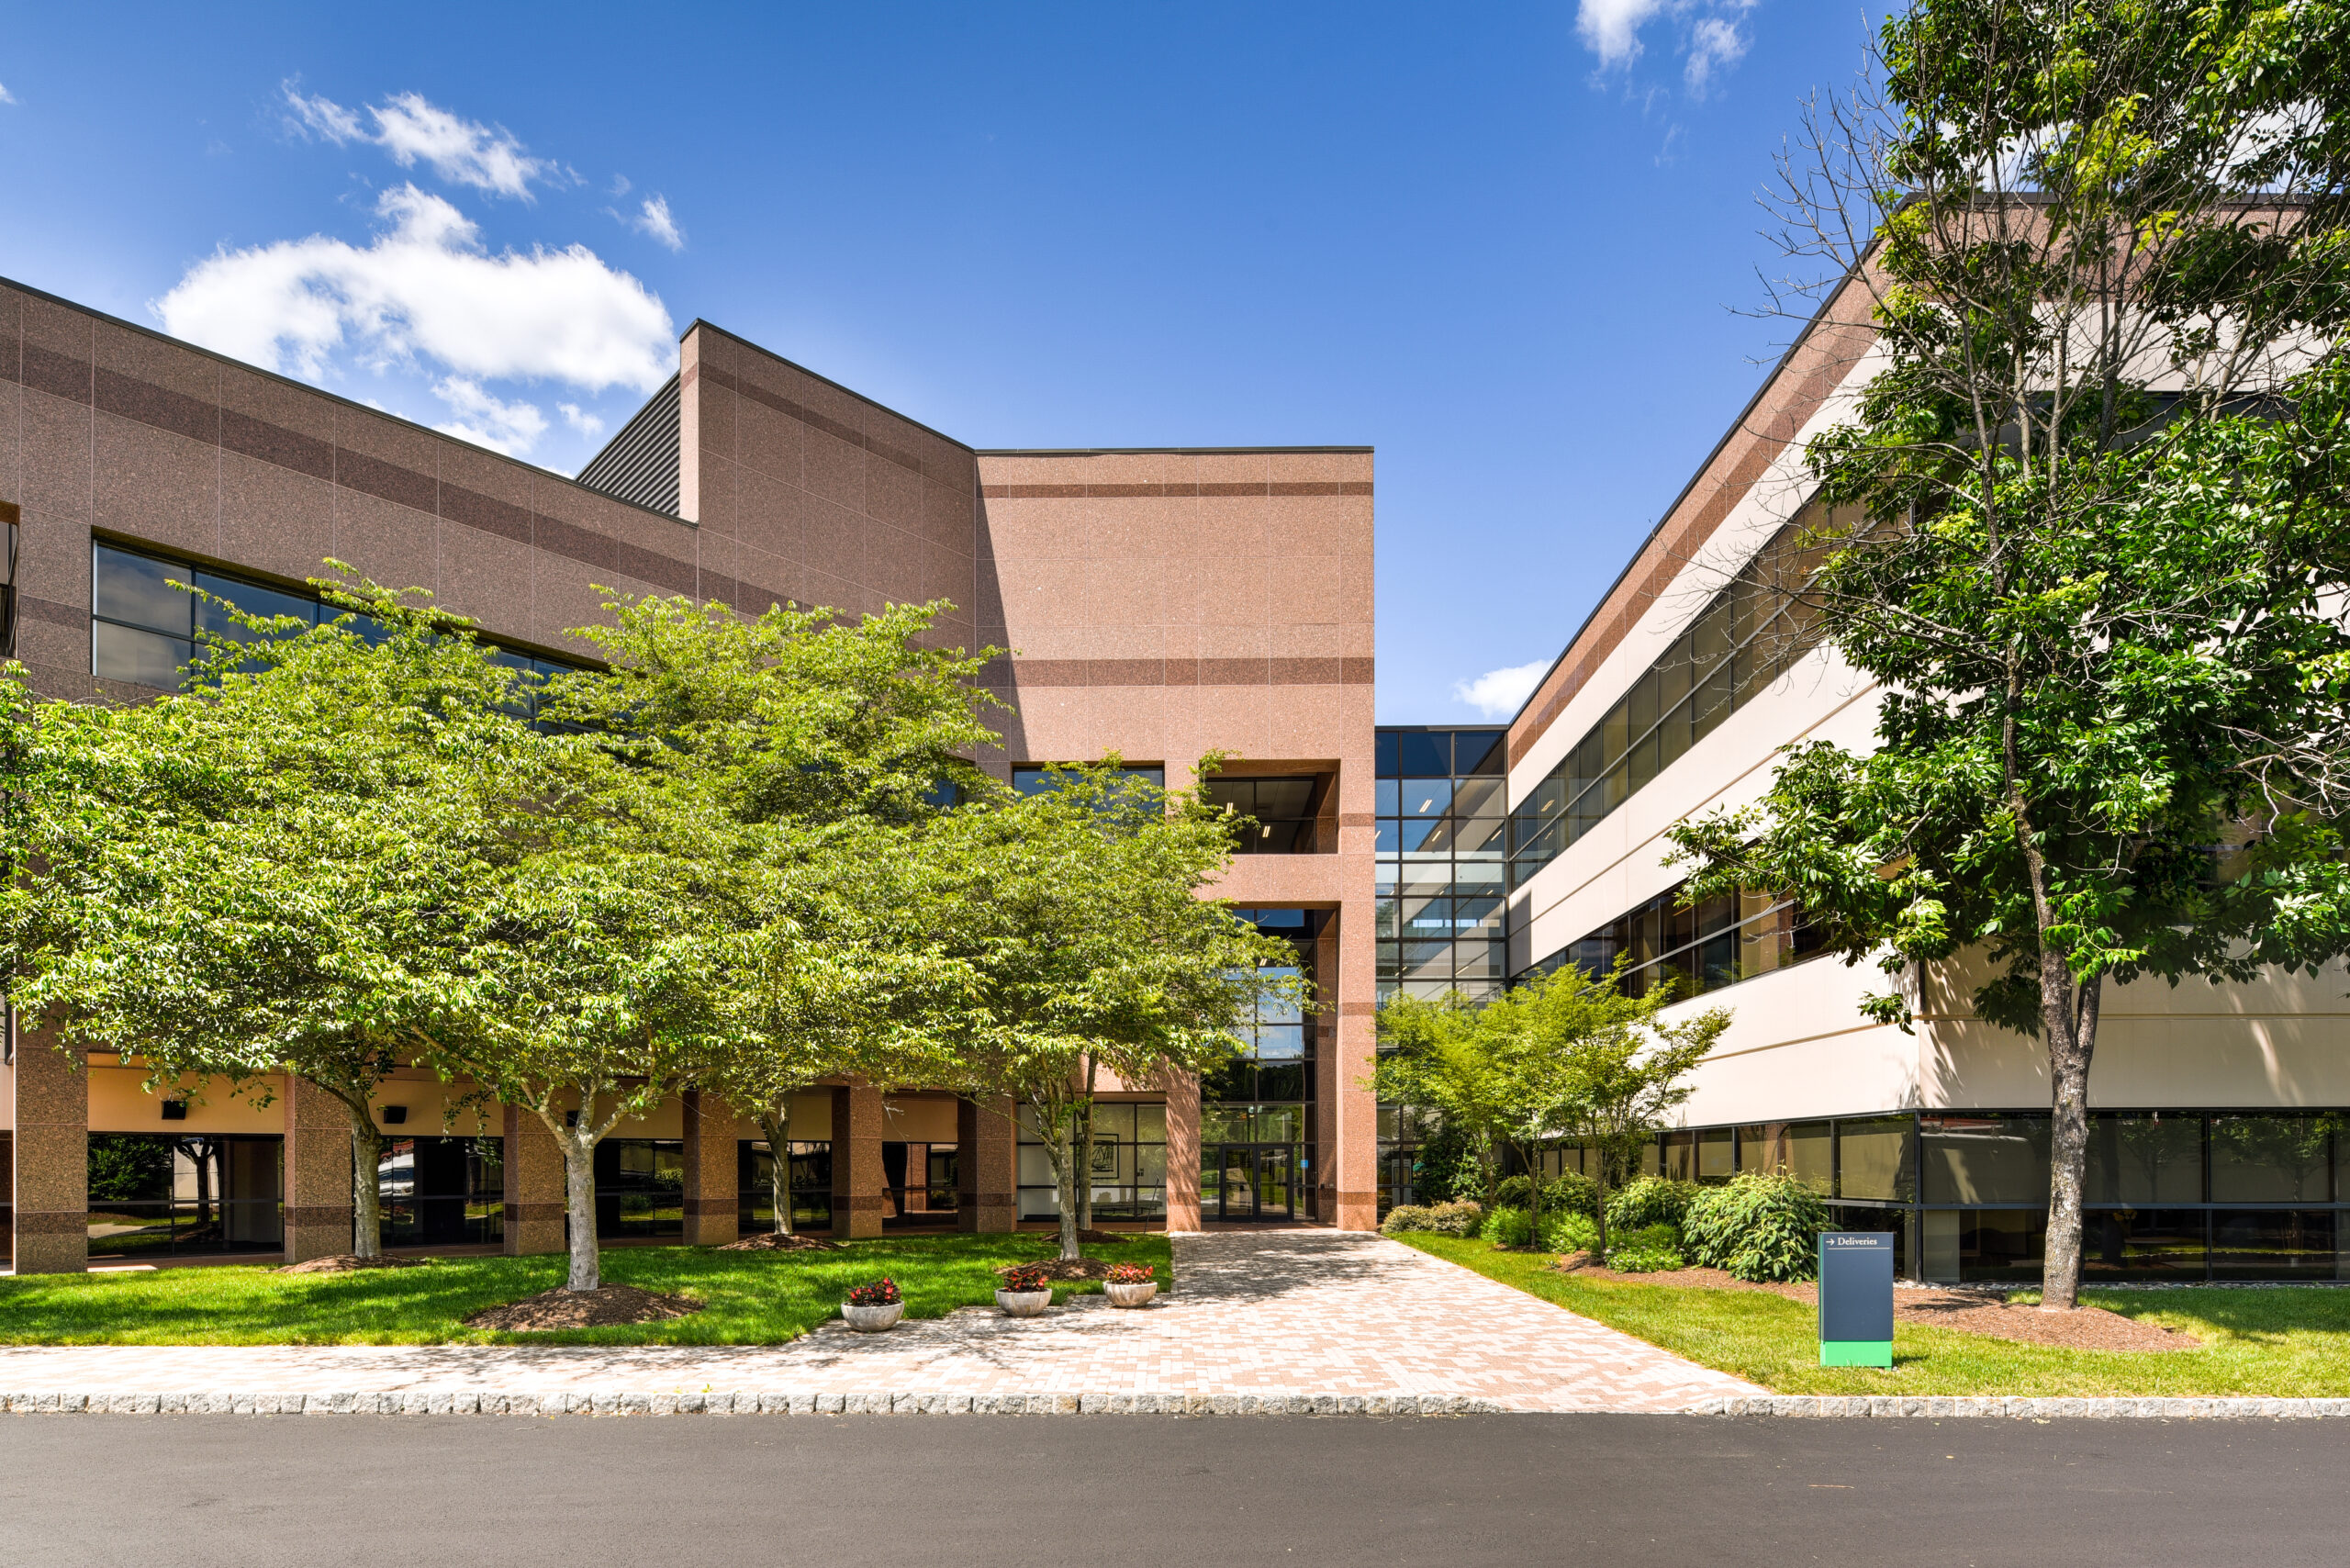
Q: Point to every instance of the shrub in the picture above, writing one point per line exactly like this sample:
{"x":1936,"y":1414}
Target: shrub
{"x":880,"y":1293}
{"x":1026,"y":1278}
{"x":1460,"y":1217}
{"x":1569,"y":1232}
{"x":1508,"y":1228}
{"x":1650,"y":1200}
{"x":1404,"y":1217}
{"x":1650,"y":1250}
{"x":1129,"y":1273}
{"x":1448,"y":1166}
{"x":1758,"y":1227}
{"x":1571,"y":1192}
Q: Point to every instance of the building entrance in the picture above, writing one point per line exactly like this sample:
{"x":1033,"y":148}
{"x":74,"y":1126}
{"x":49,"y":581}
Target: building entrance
{"x":1241,"y":1182}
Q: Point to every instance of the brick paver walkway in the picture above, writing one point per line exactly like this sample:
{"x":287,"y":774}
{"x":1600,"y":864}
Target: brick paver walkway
{"x":1259,"y":1320}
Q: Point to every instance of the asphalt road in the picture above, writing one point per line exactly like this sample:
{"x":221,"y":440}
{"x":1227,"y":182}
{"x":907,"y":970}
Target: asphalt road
{"x":422,"y":1492}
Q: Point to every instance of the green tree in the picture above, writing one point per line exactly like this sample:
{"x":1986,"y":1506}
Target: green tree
{"x":265,"y":872}
{"x":1565,"y":1056}
{"x":2102,"y":470}
{"x":823,"y":743}
{"x":1078,"y":912}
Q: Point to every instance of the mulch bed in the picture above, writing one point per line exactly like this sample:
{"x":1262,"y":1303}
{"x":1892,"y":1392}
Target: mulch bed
{"x":1969,"y":1312}
{"x":347,"y":1263}
{"x":608,"y":1307}
{"x":1066,"y":1269}
{"x":770,"y":1242}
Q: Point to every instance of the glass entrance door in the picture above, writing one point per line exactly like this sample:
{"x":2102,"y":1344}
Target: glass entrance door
{"x":1244,"y":1182}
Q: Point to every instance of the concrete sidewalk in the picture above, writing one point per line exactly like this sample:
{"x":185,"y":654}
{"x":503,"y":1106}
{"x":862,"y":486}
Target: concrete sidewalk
{"x":1318,"y":1322}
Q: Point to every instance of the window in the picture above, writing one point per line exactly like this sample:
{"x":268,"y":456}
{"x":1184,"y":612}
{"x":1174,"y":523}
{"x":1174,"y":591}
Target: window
{"x":1754,"y":629}
{"x":1441,"y":818}
{"x":810,"y":1184}
{"x":1129,"y":1172}
{"x":144,"y":625}
{"x":1717,"y":942}
{"x":1281,"y":811}
{"x":1035,"y":779}
{"x":182,"y":1193}
{"x":441,"y":1189}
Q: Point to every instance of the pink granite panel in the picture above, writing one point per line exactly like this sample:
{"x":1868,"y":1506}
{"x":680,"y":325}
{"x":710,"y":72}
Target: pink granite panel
{"x":275,"y":519}
{"x":156,"y":485}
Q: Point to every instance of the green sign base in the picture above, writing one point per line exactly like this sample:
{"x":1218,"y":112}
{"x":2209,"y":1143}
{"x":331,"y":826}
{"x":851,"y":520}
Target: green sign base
{"x":1856,"y":1352}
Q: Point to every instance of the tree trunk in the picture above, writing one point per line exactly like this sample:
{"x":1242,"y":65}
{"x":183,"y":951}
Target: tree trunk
{"x":579,"y":1205}
{"x":1085,"y":1161}
{"x":366,"y":1196}
{"x":1534,"y":1197}
{"x":775,"y":1120}
{"x":1602,"y":1184}
{"x":2069,"y":1020}
{"x":1066,"y":1138}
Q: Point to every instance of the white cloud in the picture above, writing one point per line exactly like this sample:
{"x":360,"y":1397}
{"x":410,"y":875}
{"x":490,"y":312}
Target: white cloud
{"x":5,"y":96}
{"x":485,"y":421}
{"x":488,"y":157}
{"x":587,"y":424}
{"x":1500,"y":693}
{"x":654,"y":220}
{"x":1714,"y":44}
{"x":1710,"y":38}
{"x":426,"y":290}
{"x":1611,"y":28}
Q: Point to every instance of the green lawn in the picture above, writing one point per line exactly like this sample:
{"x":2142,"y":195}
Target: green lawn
{"x":752,"y":1298}
{"x":2273,"y":1343}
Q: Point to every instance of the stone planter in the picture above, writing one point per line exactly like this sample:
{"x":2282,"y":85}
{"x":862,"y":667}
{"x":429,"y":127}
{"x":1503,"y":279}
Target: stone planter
{"x":874,"y":1319}
{"x":1130,"y":1296}
{"x":1024,"y":1304}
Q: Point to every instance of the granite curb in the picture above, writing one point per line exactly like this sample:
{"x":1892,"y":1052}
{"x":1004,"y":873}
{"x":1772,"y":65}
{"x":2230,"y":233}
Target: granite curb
{"x":2015,"y":1408}
{"x":614,"y":1402}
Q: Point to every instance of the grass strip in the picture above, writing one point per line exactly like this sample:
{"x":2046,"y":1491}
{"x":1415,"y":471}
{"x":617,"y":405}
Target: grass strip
{"x":751,"y":1298}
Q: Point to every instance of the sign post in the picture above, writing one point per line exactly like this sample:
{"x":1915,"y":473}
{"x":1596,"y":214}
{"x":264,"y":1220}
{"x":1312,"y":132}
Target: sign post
{"x":1856,"y":1298}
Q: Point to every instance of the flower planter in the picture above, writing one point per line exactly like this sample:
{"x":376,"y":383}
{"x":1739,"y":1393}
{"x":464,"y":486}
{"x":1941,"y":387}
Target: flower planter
{"x":1130,"y":1296}
{"x":1024,"y":1304}
{"x":874,"y":1319}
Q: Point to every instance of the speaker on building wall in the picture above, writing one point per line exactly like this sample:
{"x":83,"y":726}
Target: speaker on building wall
{"x":394,"y":1116}
{"x":176,"y":1110}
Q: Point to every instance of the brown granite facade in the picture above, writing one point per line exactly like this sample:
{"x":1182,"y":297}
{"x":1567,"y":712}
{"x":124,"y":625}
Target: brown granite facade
{"x":1160,"y":605}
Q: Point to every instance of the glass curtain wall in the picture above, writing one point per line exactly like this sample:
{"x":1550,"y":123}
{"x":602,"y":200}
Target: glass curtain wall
{"x":1256,"y":1113}
{"x":1442,"y":820}
{"x":1442,"y":816}
{"x":1754,"y":629}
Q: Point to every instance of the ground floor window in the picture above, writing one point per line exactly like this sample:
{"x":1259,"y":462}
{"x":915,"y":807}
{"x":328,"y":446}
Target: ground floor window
{"x":1129,"y":1171}
{"x":640,"y":1187}
{"x":2178,"y":1195}
{"x":160,"y":1194}
{"x":439,"y":1192}
{"x":810,"y":1184}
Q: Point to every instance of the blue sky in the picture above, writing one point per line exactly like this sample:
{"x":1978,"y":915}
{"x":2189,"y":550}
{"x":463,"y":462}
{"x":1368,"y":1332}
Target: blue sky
{"x":1501,"y":243}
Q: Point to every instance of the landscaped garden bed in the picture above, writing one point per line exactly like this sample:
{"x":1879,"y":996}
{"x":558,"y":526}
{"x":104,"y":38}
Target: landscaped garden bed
{"x":749,"y":1297}
{"x":2270,"y":1343}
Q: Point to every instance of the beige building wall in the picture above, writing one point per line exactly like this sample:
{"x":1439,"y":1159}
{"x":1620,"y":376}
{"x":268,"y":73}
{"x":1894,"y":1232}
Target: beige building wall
{"x":1798,"y":1044}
